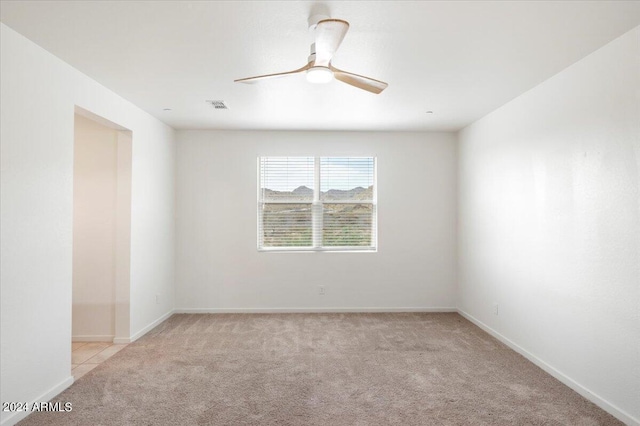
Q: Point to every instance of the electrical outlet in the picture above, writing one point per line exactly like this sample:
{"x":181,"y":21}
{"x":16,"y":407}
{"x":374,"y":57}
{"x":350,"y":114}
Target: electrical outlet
{"x":321,"y":290}
{"x":495,"y":309}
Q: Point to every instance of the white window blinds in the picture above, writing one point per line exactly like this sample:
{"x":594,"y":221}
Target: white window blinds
{"x":317,"y":203}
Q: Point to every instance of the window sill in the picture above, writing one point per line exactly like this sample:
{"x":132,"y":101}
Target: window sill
{"x":317,"y":250}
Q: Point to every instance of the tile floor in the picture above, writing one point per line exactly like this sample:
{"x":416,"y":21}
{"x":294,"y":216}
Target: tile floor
{"x":85,"y":356}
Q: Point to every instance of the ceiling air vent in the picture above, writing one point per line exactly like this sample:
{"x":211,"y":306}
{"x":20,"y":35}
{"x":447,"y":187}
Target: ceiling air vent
{"x":218,"y":104}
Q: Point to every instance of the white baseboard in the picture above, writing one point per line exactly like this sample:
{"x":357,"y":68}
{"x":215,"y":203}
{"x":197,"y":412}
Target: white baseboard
{"x":303,"y":310}
{"x":148,"y":328}
{"x":599,"y":401}
{"x":45,"y":397}
{"x":87,"y":338}
{"x":121,"y":340}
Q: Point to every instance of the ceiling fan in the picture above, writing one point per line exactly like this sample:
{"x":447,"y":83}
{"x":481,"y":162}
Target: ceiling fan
{"x":328,"y":36}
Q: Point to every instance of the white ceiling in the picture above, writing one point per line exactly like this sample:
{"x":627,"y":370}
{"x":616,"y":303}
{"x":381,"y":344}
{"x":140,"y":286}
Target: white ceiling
{"x":459,"y":59}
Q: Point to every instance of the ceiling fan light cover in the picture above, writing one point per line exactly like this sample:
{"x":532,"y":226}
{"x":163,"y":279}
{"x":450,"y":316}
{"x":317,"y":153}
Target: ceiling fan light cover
{"x":319,"y":75}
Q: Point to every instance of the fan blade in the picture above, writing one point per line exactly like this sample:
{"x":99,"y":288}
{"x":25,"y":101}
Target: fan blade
{"x":268,"y":76}
{"x":329,"y":35}
{"x":359,"y":81}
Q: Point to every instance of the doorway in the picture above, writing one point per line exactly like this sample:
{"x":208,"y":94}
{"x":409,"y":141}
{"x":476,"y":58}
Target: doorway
{"x":101,"y":238}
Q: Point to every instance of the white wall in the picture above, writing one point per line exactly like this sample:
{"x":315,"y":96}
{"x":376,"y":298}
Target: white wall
{"x":39,"y":92}
{"x":122,"y":296}
{"x":95,"y":181}
{"x":219,"y":267}
{"x":549,"y":224}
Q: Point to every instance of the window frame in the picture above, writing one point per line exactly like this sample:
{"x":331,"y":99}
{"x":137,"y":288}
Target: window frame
{"x":317,"y":212}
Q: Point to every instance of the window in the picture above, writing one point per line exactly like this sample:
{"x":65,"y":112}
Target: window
{"x":317,"y":203}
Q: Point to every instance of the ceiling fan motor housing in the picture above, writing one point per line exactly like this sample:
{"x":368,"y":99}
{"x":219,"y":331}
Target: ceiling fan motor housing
{"x":312,"y":54}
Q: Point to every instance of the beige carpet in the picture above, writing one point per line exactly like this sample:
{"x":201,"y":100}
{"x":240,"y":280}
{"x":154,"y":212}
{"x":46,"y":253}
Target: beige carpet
{"x":320,"y":369}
